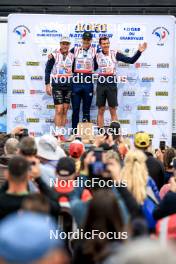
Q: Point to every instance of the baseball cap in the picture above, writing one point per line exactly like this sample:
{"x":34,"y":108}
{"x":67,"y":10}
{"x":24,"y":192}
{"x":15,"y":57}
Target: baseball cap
{"x":115,"y":127}
{"x":25,"y":237}
{"x":76,"y":149}
{"x":65,"y":39}
{"x":48,"y":148}
{"x":141,"y":140}
{"x":87,"y":35}
{"x":65,"y":167}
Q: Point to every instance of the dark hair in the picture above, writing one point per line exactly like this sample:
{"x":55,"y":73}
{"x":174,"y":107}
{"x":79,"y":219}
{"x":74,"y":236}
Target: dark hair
{"x":28,"y":146}
{"x":104,"y":215}
{"x":103,"y":38}
{"x":169,"y":154}
{"x":139,"y":228}
{"x":66,"y":163}
{"x":36,"y":203}
{"x":3,"y":138}
{"x":18,"y":168}
{"x":105,"y":146}
{"x":83,"y":157}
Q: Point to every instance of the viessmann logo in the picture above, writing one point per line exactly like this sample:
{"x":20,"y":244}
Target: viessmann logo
{"x":50,"y":106}
{"x":124,"y":121}
{"x":143,"y":107}
{"x":32,"y":120}
{"x":18,"y":77}
{"x":130,"y":135}
{"x":32,"y":63}
{"x":161,"y":93}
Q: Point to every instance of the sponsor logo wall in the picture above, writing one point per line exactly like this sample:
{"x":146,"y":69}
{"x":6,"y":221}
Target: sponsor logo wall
{"x":145,"y":100}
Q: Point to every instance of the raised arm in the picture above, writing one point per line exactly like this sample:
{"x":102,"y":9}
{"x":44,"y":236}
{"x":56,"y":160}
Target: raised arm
{"x":134,"y":58}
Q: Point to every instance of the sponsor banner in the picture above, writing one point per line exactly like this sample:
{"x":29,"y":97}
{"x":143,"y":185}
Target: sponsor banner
{"x":3,"y":77}
{"x":174,"y":94}
{"x":143,"y":100}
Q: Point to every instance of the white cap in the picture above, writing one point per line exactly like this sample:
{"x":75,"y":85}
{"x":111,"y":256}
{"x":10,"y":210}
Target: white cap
{"x":65,"y":39}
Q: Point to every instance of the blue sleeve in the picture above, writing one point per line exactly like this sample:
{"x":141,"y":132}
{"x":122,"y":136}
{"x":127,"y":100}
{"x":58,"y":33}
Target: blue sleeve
{"x":154,"y":188}
{"x":126,"y":59}
{"x":48,"y":69}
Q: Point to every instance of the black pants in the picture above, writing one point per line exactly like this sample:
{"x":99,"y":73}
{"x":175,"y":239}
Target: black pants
{"x":106,"y":91}
{"x":84,"y":92}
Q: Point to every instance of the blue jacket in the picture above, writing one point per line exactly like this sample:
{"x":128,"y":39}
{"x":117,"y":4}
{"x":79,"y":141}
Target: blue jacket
{"x":150,"y":204}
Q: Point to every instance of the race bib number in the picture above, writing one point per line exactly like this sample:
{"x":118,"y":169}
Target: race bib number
{"x":83,"y":65}
{"x":106,"y":67}
{"x":64,"y":69}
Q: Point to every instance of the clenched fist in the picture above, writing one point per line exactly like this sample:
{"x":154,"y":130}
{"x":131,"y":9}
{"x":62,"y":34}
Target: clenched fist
{"x":48,"y":89}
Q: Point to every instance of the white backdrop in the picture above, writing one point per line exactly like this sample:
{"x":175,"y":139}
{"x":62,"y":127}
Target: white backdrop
{"x":145,"y":102}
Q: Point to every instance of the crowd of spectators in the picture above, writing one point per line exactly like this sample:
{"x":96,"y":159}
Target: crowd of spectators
{"x":109,"y":202}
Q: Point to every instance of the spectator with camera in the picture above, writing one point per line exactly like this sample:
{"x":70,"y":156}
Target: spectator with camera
{"x":18,"y":174}
{"x":104,"y":173}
